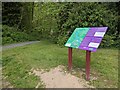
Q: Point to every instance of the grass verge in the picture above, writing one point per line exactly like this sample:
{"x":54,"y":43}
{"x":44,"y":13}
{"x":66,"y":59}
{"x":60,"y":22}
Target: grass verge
{"x":17,"y":63}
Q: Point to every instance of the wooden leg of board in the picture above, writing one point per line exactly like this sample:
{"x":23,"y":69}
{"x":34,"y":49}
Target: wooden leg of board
{"x":88,"y":54}
{"x":69,"y":58}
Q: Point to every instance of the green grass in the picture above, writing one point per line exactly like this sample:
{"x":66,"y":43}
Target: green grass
{"x":18,"y":61}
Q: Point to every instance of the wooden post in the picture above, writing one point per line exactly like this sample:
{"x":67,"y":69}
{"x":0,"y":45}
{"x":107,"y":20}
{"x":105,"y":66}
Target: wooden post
{"x":88,"y":53}
{"x":69,"y":58}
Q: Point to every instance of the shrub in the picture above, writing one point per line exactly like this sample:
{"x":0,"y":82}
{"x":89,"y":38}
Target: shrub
{"x":108,"y":41}
{"x":88,"y":15}
{"x":11,"y":35}
{"x":62,"y":39}
{"x":7,"y":40}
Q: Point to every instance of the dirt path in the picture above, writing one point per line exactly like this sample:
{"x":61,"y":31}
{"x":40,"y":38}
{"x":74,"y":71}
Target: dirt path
{"x":18,"y":44}
{"x":57,"y":78}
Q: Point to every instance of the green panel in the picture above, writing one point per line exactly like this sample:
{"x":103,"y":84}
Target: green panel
{"x":76,"y":38}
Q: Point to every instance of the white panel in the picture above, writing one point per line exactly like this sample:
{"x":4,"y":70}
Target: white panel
{"x":99,"y":34}
{"x":67,"y":44}
{"x":94,"y":45}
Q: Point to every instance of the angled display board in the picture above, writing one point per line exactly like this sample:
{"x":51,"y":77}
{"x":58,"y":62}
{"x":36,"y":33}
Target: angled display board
{"x":86,"y":38}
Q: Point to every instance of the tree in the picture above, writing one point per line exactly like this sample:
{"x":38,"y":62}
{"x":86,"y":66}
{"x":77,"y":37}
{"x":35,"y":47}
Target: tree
{"x":11,"y":13}
{"x":27,"y":16}
{"x":18,"y":14}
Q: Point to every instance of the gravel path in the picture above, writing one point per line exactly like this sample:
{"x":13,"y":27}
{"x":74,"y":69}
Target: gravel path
{"x":17,"y":45}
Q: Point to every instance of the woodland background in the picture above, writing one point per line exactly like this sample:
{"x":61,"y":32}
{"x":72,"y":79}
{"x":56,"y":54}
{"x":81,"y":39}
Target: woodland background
{"x":28,"y":21}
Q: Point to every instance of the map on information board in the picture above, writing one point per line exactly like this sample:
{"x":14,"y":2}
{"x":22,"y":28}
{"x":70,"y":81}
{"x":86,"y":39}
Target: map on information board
{"x":77,"y":37}
{"x":86,"y":38}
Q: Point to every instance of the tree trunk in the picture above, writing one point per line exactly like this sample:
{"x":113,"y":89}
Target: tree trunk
{"x":27,"y":16}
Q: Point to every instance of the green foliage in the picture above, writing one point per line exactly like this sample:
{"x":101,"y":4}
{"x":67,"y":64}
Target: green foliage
{"x":6,"y":40}
{"x":26,"y":17}
{"x":11,"y":13}
{"x":11,"y":35}
{"x":108,"y":41}
{"x":62,"y":39}
{"x":57,"y":21}
{"x":18,"y":14}
{"x":117,"y":42}
{"x":45,"y":21}
{"x":88,"y":15}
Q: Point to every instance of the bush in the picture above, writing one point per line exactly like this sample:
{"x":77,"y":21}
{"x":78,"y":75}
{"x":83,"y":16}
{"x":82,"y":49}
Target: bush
{"x":62,"y":18}
{"x":88,"y":15}
{"x":62,"y":39}
{"x":108,"y":41}
{"x":11,"y":35}
{"x":7,"y":40}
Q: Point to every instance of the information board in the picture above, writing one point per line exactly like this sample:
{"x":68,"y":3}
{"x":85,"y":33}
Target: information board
{"x":86,"y":38}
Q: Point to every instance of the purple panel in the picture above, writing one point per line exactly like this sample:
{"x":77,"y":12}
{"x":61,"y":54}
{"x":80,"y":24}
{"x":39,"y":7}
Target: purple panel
{"x":86,"y":41}
{"x":83,"y":48}
{"x":91,"y":32}
{"x":102,"y":29}
{"x":92,"y":49}
{"x":91,"y":38}
{"x":88,"y":48}
{"x":96,"y":40}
